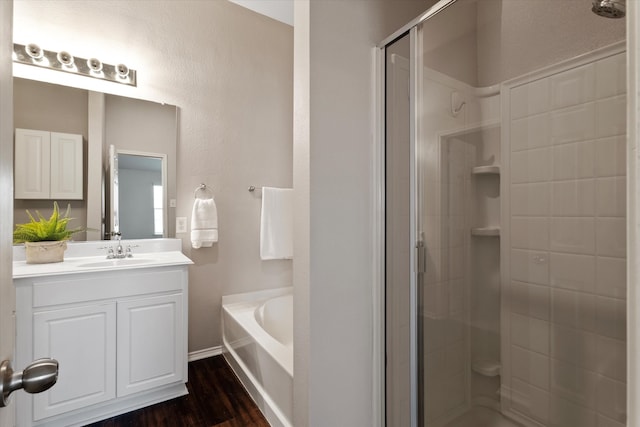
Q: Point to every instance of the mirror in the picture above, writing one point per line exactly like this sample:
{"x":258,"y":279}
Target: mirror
{"x":137,"y":195}
{"x":134,"y":127}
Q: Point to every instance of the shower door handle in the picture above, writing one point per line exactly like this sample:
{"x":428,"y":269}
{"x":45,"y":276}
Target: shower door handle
{"x":421,"y":257}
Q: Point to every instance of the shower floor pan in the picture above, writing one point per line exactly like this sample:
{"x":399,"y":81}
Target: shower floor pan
{"x":479,"y":416}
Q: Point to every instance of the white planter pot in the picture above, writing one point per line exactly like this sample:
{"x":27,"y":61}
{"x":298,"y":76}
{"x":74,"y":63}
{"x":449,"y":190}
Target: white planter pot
{"x":45,"y":252}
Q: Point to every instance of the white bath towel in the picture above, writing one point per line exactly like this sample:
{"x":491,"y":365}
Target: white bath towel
{"x":276,"y":224}
{"x":204,"y":223}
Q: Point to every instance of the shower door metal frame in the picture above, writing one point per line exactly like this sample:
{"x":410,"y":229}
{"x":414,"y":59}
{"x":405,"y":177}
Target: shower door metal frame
{"x":633,"y":209}
{"x":379,"y":172}
{"x":379,"y":391}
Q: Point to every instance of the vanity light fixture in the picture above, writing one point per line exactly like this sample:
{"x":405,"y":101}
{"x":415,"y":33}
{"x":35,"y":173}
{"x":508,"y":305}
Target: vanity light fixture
{"x":32,"y":54}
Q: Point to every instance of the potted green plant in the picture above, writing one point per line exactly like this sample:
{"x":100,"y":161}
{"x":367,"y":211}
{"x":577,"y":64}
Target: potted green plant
{"x":45,"y":240}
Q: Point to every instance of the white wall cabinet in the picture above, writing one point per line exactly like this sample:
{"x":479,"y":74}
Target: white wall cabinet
{"x":119,"y":336}
{"x":48,"y":165}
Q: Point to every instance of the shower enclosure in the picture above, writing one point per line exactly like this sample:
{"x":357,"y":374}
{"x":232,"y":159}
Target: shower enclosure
{"x":505,"y":216}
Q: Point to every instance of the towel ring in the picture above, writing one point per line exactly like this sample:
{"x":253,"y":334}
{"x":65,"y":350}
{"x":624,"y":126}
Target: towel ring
{"x":203,"y":187}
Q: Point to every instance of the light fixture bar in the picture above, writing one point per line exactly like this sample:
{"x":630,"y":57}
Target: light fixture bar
{"x":63,"y":61}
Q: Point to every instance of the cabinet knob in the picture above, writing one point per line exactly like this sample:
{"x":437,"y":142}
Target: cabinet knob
{"x":39,"y":376}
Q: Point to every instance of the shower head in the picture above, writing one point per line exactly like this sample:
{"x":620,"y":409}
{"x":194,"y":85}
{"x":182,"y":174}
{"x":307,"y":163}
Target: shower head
{"x":609,"y":8}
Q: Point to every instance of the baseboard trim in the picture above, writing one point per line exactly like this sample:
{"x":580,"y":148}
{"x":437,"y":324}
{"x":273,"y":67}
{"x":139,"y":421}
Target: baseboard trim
{"x":204,"y":353}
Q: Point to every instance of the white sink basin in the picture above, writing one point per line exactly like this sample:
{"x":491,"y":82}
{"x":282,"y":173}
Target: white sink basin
{"x":115,"y":262}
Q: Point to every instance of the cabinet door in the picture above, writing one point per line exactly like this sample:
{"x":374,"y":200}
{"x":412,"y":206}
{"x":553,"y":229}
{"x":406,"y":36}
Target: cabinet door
{"x":32,"y":164}
{"x":66,"y":166}
{"x":150,"y":343}
{"x":83,"y":341}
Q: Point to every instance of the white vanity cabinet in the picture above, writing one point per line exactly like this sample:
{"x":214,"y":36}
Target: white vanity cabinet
{"x":83,"y":338}
{"x":120,"y":337}
{"x":48,"y":165}
{"x":149,"y":343}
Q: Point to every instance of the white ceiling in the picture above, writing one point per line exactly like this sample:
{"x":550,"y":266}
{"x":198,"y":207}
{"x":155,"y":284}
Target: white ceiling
{"x":281,"y":10}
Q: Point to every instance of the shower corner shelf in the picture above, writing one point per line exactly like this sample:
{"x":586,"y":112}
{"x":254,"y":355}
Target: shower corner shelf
{"x":487,"y":368}
{"x":486,"y":170}
{"x":485,"y":231}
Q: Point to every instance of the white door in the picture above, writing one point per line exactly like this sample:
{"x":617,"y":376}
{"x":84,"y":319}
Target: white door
{"x":7,"y":298}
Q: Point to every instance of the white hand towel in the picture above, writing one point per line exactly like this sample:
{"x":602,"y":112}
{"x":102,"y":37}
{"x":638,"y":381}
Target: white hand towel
{"x":204,"y":223}
{"x":276,"y":223}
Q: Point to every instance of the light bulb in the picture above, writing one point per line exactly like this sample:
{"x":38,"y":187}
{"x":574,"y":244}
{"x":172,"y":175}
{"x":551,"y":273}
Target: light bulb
{"x":122,"y":71}
{"x":94,"y":65}
{"x":65,"y":58}
{"x":34,"y":51}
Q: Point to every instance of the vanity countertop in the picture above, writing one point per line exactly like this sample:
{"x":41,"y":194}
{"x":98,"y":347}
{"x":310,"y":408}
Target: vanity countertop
{"x":154,"y":255}
{"x":78,"y":265}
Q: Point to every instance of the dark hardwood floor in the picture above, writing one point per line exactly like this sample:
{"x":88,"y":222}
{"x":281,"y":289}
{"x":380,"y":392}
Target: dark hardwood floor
{"x":216,"y":398}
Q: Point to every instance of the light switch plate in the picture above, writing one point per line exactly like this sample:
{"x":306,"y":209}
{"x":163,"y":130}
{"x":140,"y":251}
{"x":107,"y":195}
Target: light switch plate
{"x":181,"y":224}
{"x":172,"y":203}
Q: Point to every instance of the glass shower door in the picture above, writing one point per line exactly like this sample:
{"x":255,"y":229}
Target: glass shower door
{"x":457,"y":222}
{"x":506,"y":218}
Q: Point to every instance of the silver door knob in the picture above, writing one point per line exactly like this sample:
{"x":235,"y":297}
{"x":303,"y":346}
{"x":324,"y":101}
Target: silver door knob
{"x":39,"y":376}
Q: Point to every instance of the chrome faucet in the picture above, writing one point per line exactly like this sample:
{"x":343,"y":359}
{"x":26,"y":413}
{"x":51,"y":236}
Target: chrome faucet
{"x":117,"y":251}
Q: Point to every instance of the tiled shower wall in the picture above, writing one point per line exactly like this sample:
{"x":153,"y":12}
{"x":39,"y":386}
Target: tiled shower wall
{"x":563,"y":313}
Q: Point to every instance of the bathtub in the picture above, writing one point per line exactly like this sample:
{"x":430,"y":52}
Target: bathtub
{"x":257,"y":334}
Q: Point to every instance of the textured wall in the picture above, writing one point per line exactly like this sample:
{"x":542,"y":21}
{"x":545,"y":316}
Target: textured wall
{"x":230,"y":72}
{"x":452,"y":49}
{"x":543,"y":32}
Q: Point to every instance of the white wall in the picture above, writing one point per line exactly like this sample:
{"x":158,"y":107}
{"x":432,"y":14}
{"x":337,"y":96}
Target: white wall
{"x":340,"y":303}
{"x":281,"y":10}
{"x":302,"y":209}
{"x":230,"y":72}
